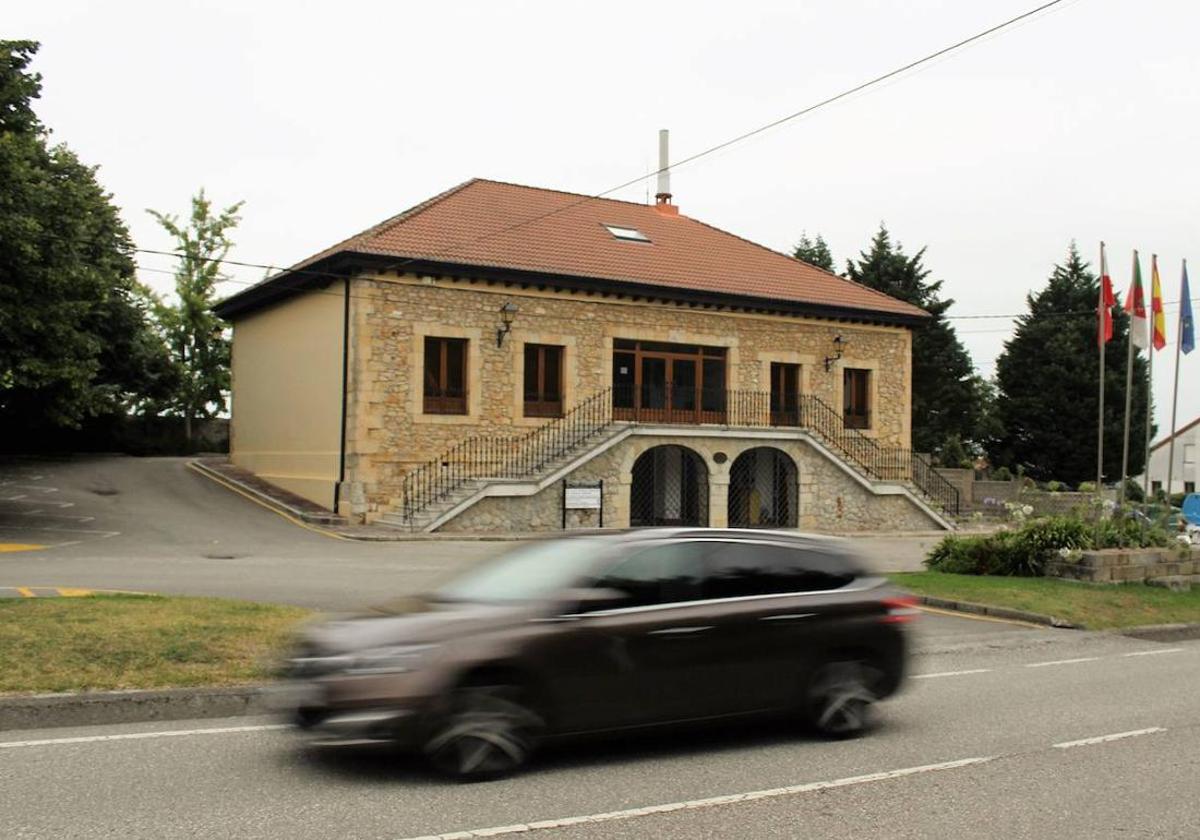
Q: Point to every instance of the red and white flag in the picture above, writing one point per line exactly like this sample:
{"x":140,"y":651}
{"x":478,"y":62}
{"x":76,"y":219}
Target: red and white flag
{"x":1135,"y":305}
{"x":1107,"y":301}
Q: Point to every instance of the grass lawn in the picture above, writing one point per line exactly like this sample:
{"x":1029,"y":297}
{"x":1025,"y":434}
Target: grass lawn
{"x":1097,"y":606}
{"x":137,"y":641}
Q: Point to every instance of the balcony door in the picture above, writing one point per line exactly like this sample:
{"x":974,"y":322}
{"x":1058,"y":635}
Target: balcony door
{"x":656,"y":382}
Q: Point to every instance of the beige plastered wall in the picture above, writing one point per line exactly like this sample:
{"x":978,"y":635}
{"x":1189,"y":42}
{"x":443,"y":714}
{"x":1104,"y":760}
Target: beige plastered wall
{"x":287,"y":403}
{"x":387,"y":434}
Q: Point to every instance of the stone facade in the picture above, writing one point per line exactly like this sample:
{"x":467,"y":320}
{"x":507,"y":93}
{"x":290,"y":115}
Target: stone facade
{"x":1177,"y":567}
{"x":829,"y":498}
{"x":388,"y":433}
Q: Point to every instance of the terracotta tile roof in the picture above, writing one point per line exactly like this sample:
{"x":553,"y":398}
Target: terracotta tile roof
{"x":506,"y":226}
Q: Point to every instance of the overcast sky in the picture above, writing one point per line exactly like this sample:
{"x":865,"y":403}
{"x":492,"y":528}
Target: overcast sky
{"x":328,"y":117}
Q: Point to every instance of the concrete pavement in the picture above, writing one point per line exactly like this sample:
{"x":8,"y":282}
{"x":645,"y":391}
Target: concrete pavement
{"x":969,"y":751}
{"x":151,"y":524}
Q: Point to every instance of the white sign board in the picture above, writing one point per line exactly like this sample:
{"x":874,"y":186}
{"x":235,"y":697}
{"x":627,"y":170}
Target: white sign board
{"x":583,"y":498}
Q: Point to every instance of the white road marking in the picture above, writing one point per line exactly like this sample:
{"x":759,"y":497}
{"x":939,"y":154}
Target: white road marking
{"x":1062,"y":662}
{"x":1104,"y":739}
{"x":23,"y":501}
{"x":1153,"y":652}
{"x":137,"y":736}
{"x":22,"y":496}
{"x":952,"y":673}
{"x":712,"y":802}
{"x":73,"y":517}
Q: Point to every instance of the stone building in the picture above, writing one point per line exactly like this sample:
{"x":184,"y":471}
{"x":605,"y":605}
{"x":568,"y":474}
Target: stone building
{"x":502,"y":357}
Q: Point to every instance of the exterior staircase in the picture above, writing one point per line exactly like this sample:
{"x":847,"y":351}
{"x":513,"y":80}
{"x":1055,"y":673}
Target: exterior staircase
{"x":432,"y":491}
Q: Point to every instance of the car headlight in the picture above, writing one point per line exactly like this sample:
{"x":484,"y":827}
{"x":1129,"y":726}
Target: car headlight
{"x":395,"y":659}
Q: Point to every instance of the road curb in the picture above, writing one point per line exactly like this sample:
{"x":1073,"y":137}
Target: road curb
{"x":1163,"y":632}
{"x":95,"y":708}
{"x":1004,"y":613}
{"x":265,"y":498}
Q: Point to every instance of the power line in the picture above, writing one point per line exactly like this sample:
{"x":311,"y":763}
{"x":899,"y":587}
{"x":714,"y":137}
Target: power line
{"x":712,"y":149}
{"x":767,"y":126}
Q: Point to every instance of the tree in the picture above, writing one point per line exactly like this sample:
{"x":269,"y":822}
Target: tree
{"x":75,"y":341}
{"x":814,"y":252}
{"x":1048,"y":376}
{"x":948,"y":397}
{"x":195,"y":335}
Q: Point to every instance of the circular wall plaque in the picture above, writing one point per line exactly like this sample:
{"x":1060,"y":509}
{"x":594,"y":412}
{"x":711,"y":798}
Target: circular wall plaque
{"x":720,"y":458}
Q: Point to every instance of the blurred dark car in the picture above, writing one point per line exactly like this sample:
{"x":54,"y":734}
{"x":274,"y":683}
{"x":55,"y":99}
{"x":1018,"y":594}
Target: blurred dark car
{"x":588,"y":634}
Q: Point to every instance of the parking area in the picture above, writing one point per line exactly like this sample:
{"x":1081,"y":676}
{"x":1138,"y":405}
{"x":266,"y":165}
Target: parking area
{"x":37,"y":513}
{"x":105,"y":522}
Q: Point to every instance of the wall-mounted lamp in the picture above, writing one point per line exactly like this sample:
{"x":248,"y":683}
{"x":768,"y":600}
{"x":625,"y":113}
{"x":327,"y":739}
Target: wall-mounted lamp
{"x":839,"y":346}
{"x":507,"y":312}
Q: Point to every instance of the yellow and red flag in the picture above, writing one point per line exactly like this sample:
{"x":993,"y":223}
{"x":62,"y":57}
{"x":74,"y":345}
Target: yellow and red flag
{"x":1158,"y":321}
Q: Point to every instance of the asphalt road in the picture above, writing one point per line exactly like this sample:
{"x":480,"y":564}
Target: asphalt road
{"x":152,"y":524}
{"x":1003,"y":739}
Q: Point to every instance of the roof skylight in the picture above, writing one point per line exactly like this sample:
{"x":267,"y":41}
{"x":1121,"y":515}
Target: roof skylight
{"x":631,"y":234}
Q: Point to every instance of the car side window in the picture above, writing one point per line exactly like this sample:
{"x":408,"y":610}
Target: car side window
{"x":748,"y":569}
{"x":809,"y":570}
{"x":663,"y":574}
{"x":738,"y":570}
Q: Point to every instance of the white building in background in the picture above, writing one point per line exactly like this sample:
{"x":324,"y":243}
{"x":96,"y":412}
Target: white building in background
{"x":1185,"y":477}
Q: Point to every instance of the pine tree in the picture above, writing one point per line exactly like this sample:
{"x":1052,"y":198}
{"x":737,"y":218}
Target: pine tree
{"x":948,"y":397}
{"x":1048,"y":385}
{"x":814,"y":252}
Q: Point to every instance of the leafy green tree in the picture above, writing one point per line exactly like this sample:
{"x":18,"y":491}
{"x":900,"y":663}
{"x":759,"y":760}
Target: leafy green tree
{"x":813,"y":251}
{"x":1048,"y":379}
{"x":195,"y":335}
{"x":948,"y":397}
{"x":75,"y":341}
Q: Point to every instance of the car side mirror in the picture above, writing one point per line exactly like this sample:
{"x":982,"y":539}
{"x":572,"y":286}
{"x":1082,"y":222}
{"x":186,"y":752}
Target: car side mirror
{"x":591,"y":599}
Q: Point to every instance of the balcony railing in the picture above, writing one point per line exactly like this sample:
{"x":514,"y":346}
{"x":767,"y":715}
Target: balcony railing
{"x":527,"y":455}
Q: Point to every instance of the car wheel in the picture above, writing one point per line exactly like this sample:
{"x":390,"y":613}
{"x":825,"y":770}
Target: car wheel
{"x":488,"y":732}
{"x":839,"y":698}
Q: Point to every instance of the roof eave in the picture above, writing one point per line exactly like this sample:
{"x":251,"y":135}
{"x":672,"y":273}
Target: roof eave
{"x":347,"y":263}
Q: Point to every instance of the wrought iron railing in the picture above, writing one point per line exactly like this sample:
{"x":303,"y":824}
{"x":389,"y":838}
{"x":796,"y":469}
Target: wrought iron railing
{"x":504,"y":456}
{"x":527,"y":455}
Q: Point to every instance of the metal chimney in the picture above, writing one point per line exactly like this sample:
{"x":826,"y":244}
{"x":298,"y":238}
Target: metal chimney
{"x":663,"y":196}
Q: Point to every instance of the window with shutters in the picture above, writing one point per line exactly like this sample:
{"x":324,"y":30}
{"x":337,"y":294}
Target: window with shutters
{"x":543,"y":380}
{"x":445,"y":375}
{"x":856,"y":398}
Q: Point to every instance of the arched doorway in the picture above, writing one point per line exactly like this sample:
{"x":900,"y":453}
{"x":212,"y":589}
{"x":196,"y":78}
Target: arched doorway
{"x":763,"y":490}
{"x":670,"y":487}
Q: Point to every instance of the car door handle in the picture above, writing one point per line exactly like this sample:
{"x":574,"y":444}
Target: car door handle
{"x":679,"y":631}
{"x":787,"y":617}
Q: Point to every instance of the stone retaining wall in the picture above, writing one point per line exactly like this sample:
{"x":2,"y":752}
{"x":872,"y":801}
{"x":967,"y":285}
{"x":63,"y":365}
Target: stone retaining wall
{"x":829,"y":499}
{"x":1174,"y":567}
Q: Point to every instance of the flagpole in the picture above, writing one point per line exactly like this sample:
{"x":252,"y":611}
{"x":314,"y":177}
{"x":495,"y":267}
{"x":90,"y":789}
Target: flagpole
{"x":1149,"y":416}
{"x":1175,"y":395}
{"x":1103,"y":339}
{"x":1128,"y":405}
{"x":1128,"y":390}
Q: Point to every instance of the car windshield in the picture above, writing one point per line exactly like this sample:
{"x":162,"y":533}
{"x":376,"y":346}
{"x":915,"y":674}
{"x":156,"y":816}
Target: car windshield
{"x":527,"y":573}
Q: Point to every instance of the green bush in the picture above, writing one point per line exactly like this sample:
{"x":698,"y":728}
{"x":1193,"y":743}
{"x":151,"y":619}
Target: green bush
{"x":1001,"y":474}
{"x":1055,"y":486}
{"x":1134,"y":491}
{"x":1001,"y":553}
{"x":1087,"y":487}
{"x":1129,"y":531}
{"x":1025,"y":552}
